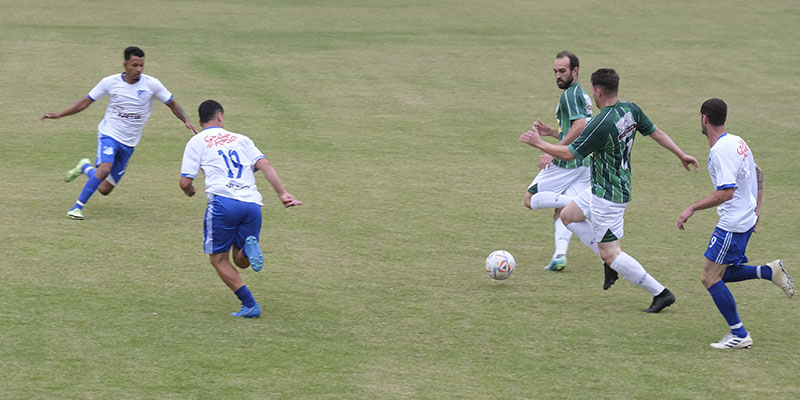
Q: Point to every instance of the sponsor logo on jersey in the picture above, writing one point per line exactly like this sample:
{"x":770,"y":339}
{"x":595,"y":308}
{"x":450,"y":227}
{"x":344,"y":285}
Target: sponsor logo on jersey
{"x":219,"y":139}
{"x":120,"y":111}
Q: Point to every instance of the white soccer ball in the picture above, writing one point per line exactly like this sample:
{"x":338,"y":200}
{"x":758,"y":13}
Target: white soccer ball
{"x":500,"y":264}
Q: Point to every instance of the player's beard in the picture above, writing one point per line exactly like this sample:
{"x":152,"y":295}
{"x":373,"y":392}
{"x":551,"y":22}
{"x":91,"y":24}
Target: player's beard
{"x":564,"y":84}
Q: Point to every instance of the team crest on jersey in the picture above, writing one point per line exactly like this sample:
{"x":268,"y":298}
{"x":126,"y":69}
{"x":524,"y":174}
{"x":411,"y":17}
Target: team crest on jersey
{"x":141,"y":93}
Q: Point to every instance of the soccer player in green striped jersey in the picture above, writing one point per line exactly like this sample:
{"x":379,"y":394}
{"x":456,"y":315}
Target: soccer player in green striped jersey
{"x":558,"y":181}
{"x":608,"y":138}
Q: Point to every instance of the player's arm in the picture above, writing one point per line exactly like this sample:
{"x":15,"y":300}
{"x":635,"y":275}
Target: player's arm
{"x":79,"y":106}
{"x":178,"y":111}
{"x":759,"y":196}
{"x":714,"y":199}
{"x":533,"y":138}
{"x":272,"y":177}
{"x":545,"y":130}
{"x":187,"y":185}
{"x":666,"y":142}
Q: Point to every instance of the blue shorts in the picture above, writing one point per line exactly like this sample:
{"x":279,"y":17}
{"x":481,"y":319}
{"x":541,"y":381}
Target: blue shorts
{"x":229,"y":222}
{"x":728,"y":248}
{"x":111,"y":151}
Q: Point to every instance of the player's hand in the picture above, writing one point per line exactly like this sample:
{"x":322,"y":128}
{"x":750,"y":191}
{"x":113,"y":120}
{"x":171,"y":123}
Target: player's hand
{"x":685,"y":215}
{"x":190,"y":191}
{"x":289,"y":201}
{"x":545,"y":160}
{"x":530,"y":137}
{"x":191,"y":127}
{"x":543,"y":129}
{"x":50,"y":116}
{"x":686,"y":160}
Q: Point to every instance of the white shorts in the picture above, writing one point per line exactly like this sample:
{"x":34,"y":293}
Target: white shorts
{"x":607,"y":217}
{"x":569,"y":181}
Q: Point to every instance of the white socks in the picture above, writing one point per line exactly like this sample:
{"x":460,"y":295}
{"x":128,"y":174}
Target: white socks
{"x":585,"y":232}
{"x":563,"y":235}
{"x":549,"y":200}
{"x":631,"y":270}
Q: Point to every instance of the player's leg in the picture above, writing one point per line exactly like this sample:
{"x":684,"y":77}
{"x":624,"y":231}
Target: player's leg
{"x":723,"y":299}
{"x":547,"y":191}
{"x":247,"y":252}
{"x":114,"y":175}
{"x":608,"y":222}
{"x":219,"y":233}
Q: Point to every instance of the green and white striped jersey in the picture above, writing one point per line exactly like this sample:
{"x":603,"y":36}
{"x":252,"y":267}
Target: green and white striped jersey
{"x":609,"y":139}
{"x":575,"y":103}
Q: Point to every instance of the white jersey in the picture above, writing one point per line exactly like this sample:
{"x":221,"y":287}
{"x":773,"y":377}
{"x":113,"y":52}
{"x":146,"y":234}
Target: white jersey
{"x":227,"y":160}
{"x":731,"y":165}
{"x":129,"y":106}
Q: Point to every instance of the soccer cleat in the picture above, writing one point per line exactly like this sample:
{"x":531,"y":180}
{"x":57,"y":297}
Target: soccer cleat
{"x":557,"y":264}
{"x":611,"y":276}
{"x":660,"y":302}
{"x":781,"y":278}
{"x":731,"y":341}
{"x":75,"y":213}
{"x":249,"y":312}
{"x":253,"y":253}
{"x":77,"y":171}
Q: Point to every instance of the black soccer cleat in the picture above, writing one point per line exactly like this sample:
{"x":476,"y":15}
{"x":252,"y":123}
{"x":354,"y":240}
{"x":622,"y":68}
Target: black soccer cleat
{"x":611,"y":276}
{"x":662,"y":301}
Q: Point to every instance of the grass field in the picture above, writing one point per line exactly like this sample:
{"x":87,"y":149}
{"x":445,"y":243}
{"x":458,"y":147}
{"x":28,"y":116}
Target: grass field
{"x":396,"y":122}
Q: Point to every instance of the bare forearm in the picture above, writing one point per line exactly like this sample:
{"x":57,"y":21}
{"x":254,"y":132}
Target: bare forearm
{"x":79,"y":106}
{"x":271,"y":175}
{"x":666,"y":142}
{"x":760,"y":181}
{"x":574,"y":131}
{"x":187,"y":186}
{"x":714,"y":199}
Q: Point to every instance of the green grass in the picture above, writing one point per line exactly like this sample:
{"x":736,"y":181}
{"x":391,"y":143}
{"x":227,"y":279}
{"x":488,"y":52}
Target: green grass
{"x":396,"y":122}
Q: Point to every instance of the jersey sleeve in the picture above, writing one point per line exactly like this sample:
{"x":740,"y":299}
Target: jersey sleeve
{"x":575,"y":102}
{"x":101,"y":89}
{"x":190,"y":165}
{"x":725,"y":168}
{"x":160,"y":91}
{"x":591,"y":139}
{"x":252,"y":152}
{"x":643,"y":124}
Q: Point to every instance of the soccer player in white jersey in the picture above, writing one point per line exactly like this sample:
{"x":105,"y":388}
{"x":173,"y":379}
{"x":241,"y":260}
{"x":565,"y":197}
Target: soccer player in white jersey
{"x":130,"y":101}
{"x":558,"y":181}
{"x":233,"y":214}
{"x":738,"y":189}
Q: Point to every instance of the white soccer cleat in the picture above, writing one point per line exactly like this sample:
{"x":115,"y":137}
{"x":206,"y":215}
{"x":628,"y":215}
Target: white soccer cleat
{"x":781,"y":278}
{"x":731,"y":341}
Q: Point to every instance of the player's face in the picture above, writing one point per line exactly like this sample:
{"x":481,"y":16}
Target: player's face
{"x":133,"y":68}
{"x":564,"y":75}
{"x":703,"y":125}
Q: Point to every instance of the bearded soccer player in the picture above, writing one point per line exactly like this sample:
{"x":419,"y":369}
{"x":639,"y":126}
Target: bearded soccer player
{"x":596,"y":214}
{"x":130,"y":102}
{"x":558,"y":181}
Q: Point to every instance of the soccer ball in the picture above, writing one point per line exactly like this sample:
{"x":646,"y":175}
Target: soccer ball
{"x":500,"y":265}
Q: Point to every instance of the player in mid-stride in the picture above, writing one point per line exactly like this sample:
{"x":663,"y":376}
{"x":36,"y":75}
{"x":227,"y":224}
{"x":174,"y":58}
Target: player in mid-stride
{"x":609,"y":139}
{"x":738,"y":184}
{"x":558,"y":181}
{"x":233,"y":214}
{"x":130,"y":102}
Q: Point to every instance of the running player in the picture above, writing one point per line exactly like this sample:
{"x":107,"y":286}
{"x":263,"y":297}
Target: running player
{"x":558,"y":181}
{"x":130,"y":102}
{"x":233,"y":214}
{"x":738,"y":184}
{"x":609,"y":139}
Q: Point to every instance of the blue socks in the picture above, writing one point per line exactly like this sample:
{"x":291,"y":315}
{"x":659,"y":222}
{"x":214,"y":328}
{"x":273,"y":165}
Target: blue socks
{"x":244,"y":295}
{"x":88,"y":190}
{"x":89,"y":171}
{"x":727,"y":307}
{"x":745,"y":272}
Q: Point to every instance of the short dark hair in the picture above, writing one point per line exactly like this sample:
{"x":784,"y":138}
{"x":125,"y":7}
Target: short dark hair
{"x":208,"y":109}
{"x":573,"y":59}
{"x":715,"y":110}
{"x":607,"y":79}
{"x":133,"y":51}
